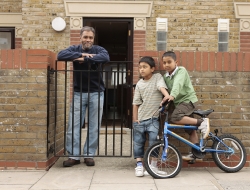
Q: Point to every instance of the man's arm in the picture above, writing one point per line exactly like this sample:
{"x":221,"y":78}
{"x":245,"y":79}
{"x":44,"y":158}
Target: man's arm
{"x":100,"y":56}
{"x":70,"y":53}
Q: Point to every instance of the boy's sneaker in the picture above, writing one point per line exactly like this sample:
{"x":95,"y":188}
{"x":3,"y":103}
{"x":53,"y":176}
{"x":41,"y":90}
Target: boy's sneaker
{"x":139,"y":171}
{"x":205,"y":127}
{"x":191,"y":157}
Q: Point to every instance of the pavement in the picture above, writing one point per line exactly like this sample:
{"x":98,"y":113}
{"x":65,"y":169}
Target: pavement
{"x":118,"y":174}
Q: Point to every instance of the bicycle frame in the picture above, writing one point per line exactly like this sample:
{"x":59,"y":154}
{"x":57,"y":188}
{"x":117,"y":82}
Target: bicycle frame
{"x":200,"y":148}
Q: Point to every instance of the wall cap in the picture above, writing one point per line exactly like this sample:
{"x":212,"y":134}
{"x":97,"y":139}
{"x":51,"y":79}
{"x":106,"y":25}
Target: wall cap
{"x":108,"y":8}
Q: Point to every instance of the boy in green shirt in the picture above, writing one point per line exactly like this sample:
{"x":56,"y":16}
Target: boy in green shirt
{"x":184,"y":98}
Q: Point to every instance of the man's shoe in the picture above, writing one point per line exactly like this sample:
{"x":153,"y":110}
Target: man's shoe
{"x":191,"y":157}
{"x":139,"y":171}
{"x":89,"y":161}
{"x":205,"y":127}
{"x":70,"y":162}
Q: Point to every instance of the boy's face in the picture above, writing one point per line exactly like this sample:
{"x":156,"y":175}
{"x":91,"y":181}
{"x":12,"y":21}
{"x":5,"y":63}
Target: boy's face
{"x":169,"y":64}
{"x":145,"y":70}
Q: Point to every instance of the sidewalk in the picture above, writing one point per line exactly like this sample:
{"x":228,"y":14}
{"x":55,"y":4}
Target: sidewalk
{"x":118,"y":174}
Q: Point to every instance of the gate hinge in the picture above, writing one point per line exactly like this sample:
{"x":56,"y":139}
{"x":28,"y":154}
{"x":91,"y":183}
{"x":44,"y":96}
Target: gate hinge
{"x":128,"y":112}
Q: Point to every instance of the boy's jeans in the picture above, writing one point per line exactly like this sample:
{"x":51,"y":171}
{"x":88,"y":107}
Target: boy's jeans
{"x":151,"y":127}
{"x":91,"y":145}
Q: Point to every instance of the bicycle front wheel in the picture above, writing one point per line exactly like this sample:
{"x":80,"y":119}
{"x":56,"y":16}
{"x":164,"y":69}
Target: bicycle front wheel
{"x":167,"y":168}
{"x":227,"y":162}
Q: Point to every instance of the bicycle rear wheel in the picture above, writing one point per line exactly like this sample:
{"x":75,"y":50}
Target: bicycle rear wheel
{"x":165,"y":168}
{"x":229,"y":162}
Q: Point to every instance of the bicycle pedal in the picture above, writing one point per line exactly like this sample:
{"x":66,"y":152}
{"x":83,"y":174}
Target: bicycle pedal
{"x":191,"y":161}
{"x":194,"y":160}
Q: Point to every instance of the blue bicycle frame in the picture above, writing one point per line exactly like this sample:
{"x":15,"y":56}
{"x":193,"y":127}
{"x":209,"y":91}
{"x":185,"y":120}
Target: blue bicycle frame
{"x":200,"y":148}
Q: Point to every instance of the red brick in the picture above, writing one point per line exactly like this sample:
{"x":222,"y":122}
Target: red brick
{"x":23,"y":58}
{"x":197,"y":61}
{"x":38,"y":59}
{"x":233,"y":61}
{"x":245,"y":33}
{"x":38,"y":52}
{"x":183,"y":59}
{"x":240,"y":61}
{"x":4,"y":59}
{"x":10,"y":59}
{"x":37,"y":66}
{"x":17,"y":58}
{"x":219,"y":61}
{"x":204,"y":61}
{"x":190,"y":61}
{"x":148,"y":53}
{"x":226,"y":61}
{"x":26,"y":164}
{"x":246,"y":62}
{"x":177,"y":55}
{"x":10,"y":164}
{"x":212,"y":63}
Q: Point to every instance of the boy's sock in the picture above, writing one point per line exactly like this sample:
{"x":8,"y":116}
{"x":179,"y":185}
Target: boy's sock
{"x":139,"y":163}
{"x":199,"y":121}
{"x":154,"y":163}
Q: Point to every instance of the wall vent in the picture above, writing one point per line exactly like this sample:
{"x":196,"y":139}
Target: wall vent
{"x":161,"y":33}
{"x":223,"y":33}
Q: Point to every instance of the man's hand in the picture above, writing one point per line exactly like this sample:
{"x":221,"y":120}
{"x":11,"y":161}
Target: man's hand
{"x":83,"y":56}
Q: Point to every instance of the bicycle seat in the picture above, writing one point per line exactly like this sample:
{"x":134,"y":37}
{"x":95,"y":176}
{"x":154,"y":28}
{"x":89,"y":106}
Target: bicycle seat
{"x":203,"y":113}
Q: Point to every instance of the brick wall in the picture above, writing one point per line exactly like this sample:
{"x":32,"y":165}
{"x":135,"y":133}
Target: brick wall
{"x":37,"y":32}
{"x":245,"y":41}
{"x":192,"y":26}
{"x":23,"y":109}
{"x":12,"y":6}
{"x":222,"y":83}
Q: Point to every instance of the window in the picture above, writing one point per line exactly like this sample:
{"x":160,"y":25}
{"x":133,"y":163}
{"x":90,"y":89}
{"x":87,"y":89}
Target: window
{"x":7,"y":38}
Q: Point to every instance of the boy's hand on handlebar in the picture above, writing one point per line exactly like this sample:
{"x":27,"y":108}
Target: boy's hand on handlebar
{"x":166,"y":98}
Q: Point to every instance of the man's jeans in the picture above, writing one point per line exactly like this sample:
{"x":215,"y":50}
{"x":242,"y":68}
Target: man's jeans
{"x":90,"y":146}
{"x":149,"y":126}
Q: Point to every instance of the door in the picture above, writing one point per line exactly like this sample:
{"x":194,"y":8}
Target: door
{"x":115,"y":35}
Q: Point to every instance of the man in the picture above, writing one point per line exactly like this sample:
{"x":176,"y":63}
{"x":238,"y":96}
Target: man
{"x":88,"y":92}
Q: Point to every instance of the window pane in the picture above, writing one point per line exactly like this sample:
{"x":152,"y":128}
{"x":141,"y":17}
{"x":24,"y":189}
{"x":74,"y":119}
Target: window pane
{"x":5,"y":40}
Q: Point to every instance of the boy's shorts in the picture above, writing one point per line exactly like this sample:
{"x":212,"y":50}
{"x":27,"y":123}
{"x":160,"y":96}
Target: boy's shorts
{"x":181,"y":110}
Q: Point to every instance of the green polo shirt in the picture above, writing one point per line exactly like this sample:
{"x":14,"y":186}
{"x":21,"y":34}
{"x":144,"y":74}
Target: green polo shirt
{"x":180,"y":86}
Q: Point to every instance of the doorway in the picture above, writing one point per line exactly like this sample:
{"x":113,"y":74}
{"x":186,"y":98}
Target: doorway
{"x":115,"y":35}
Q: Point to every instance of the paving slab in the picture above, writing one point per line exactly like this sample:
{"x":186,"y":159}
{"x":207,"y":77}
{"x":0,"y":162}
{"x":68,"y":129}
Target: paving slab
{"x":65,"y":178}
{"x":19,"y":180}
{"x":232,"y":181}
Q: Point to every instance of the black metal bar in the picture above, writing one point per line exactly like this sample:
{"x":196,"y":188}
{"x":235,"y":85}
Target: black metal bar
{"x":55,"y":118}
{"x":114,"y":104}
{"x":48,"y":110}
{"x":65,"y":104}
{"x":80,"y":127}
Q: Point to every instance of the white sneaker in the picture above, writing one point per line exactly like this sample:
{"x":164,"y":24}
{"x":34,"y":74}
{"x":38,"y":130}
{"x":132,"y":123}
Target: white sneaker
{"x":190,"y":157}
{"x":156,"y":170}
{"x":139,"y":171}
{"x":205,"y":127}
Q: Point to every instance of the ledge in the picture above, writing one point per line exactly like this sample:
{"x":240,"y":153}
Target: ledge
{"x":242,"y":10}
{"x":10,"y":19}
{"x":108,"y":8}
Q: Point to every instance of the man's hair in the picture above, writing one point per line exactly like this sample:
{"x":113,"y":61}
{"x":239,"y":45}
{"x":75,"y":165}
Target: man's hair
{"x":169,"y":54}
{"x":148,"y":60}
{"x":87,"y":28}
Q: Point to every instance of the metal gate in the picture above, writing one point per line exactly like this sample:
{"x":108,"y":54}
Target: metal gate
{"x":114,"y":130}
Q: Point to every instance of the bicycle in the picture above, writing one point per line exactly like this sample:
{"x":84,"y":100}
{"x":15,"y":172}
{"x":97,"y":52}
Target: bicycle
{"x":228,"y":152}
